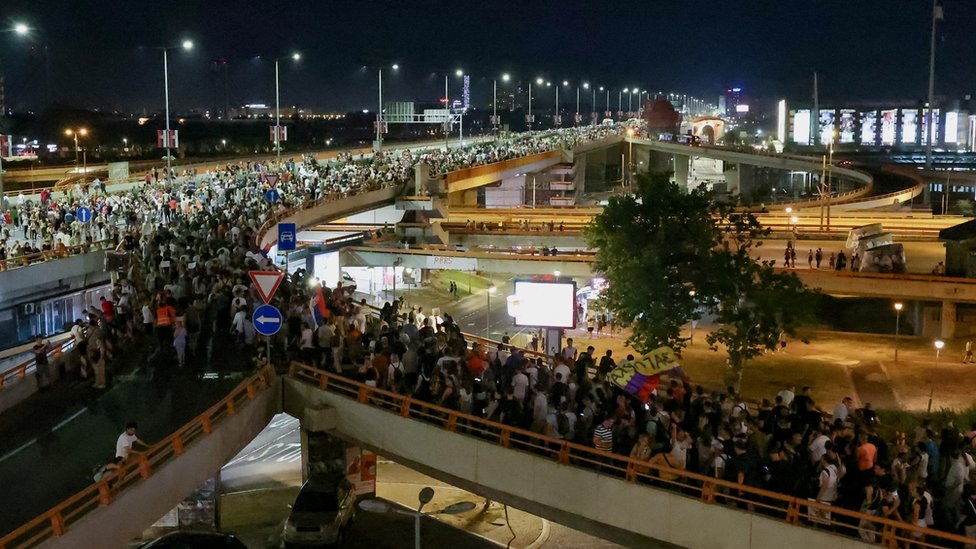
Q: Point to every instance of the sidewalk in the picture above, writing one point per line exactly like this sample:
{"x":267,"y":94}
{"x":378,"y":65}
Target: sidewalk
{"x":399,"y":484}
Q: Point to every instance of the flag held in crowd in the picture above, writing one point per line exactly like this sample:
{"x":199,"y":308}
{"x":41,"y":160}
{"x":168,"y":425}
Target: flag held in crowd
{"x":643,"y":375}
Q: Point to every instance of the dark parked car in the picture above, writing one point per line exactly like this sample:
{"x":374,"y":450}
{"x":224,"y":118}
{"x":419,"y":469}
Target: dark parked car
{"x":322,"y":510}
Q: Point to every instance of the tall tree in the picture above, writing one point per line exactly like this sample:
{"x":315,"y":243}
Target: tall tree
{"x":653,"y":249}
{"x":671,"y":256}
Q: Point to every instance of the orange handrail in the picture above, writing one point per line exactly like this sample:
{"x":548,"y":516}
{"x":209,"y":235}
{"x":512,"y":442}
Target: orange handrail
{"x":20,"y":371}
{"x":708,"y":489}
{"x":57,"y":520}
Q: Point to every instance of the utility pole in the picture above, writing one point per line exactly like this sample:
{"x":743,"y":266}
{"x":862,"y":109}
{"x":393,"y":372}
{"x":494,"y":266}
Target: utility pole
{"x":936,"y":16}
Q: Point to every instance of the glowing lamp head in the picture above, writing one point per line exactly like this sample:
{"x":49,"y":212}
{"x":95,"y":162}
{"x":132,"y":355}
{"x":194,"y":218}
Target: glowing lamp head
{"x":459,"y":72}
{"x":187,"y":44}
{"x":396,"y":66}
{"x":939,"y":344}
{"x":899,"y":306}
{"x":506,"y":77}
{"x":296,"y":56}
{"x":21,"y":29}
{"x":539,"y":81}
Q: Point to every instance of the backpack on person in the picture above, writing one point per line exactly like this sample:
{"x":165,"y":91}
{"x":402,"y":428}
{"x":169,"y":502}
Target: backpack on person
{"x":562,"y":424}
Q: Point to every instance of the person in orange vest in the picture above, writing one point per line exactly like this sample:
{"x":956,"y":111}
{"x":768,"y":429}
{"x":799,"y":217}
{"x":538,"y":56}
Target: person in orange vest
{"x":165,"y":316}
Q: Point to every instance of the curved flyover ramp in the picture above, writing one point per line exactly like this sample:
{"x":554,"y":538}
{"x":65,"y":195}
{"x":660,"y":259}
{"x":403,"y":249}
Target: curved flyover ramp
{"x":612,"y":496}
{"x":113,"y":511}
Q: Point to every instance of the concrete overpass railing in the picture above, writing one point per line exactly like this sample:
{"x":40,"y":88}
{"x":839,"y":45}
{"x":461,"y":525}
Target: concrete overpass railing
{"x":114,"y":510}
{"x":606,"y":494}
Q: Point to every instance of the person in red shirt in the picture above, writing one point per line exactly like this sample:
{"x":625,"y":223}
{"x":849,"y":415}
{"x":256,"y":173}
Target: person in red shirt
{"x":108,"y":309}
{"x":476,"y":361}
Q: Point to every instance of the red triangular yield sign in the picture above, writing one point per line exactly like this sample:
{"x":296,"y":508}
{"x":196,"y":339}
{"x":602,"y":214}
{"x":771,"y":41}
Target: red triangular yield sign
{"x":267,"y":282}
{"x":272,"y":180}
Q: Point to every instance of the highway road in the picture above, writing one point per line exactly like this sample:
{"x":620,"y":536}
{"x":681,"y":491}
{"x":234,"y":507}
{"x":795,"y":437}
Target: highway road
{"x":922,"y":257}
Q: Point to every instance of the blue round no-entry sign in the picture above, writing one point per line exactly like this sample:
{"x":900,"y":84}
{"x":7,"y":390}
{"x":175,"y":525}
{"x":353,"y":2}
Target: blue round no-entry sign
{"x":267,"y":320}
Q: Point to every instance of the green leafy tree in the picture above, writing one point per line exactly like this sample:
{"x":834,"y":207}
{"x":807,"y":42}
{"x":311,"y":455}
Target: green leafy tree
{"x":653,"y":250}
{"x":671,"y":256}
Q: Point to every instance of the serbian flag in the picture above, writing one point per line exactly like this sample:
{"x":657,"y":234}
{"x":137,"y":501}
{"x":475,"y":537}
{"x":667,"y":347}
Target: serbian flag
{"x":319,"y":309}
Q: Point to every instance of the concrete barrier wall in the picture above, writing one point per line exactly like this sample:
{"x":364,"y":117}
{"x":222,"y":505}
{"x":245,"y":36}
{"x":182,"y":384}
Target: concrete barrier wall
{"x":582,"y":499}
{"x":115,"y":525}
{"x":64,"y":274}
{"x":332,"y":209}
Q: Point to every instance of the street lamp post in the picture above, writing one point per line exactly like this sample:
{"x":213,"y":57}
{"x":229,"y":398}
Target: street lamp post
{"x":494,"y":100}
{"x":424,"y":497}
{"x":295,"y":56}
{"x":378,"y":147}
{"x":186,"y":45}
{"x":491,"y":290}
{"x":898,"y":307}
{"x":620,"y":101}
{"x":555,"y":116}
{"x":84,"y":153}
{"x":939,"y":344}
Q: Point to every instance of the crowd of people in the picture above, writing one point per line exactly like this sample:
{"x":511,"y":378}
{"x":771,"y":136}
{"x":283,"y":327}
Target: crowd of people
{"x":47,"y":226}
{"x":787,"y":444}
{"x":192,"y":242}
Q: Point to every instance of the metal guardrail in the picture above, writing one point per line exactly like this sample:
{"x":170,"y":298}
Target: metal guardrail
{"x":19,"y":372}
{"x":56,"y":521}
{"x":710,"y":491}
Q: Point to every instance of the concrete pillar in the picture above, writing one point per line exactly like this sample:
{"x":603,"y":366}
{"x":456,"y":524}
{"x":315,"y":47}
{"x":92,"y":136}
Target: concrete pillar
{"x":681,"y":162}
{"x":948,"y":319}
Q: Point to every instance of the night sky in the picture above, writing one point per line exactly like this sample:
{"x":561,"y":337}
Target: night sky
{"x":101,"y":52}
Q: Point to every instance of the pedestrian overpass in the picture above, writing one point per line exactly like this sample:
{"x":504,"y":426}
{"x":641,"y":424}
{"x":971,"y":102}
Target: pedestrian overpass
{"x":607,"y":495}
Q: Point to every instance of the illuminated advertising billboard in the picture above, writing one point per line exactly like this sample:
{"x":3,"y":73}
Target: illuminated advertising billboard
{"x":869,"y":127}
{"x":909,"y":127}
{"x":741,"y":109}
{"x":801,"y":127}
{"x":847,"y":124}
{"x":925,"y":126}
{"x":543,"y":304}
{"x":951,"y":126}
{"x":826,"y":126}
{"x":889,"y":123}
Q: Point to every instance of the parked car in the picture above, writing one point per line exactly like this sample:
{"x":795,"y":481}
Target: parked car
{"x":322,"y":511}
{"x":194,"y":540}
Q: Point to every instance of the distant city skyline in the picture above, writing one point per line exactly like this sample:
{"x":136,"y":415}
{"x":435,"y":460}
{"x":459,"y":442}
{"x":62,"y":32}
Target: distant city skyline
{"x":104,"y":54}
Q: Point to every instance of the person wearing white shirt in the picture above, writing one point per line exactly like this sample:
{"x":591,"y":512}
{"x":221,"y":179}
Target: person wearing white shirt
{"x":843,"y":409}
{"x":520,"y":385}
{"x":788,"y":395}
{"x":128,"y":439}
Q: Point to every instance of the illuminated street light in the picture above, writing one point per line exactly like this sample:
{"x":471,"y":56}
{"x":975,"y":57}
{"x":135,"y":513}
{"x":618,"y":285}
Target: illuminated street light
{"x":898,"y":308}
{"x":939,"y":344}
{"x":395,"y":67}
{"x":187,"y":45}
{"x":277,"y":141}
{"x":73,"y":133}
{"x":22,"y":29}
{"x":491,"y":291}
{"x":459,"y":72}
{"x":539,"y":81}
{"x":506,"y":77}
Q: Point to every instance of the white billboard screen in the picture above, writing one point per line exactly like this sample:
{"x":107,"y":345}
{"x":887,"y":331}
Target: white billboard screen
{"x":543,"y":304}
{"x":869,"y":127}
{"x":888,"y":124}
{"x":826,"y":126}
{"x":909,"y":127}
{"x":951,"y":126}
{"x":847,"y":125}
{"x":801,"y":127}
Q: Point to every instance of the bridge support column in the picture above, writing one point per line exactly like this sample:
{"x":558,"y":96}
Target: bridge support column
{"x":681,"y":170}
{"x":948,"y":328}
